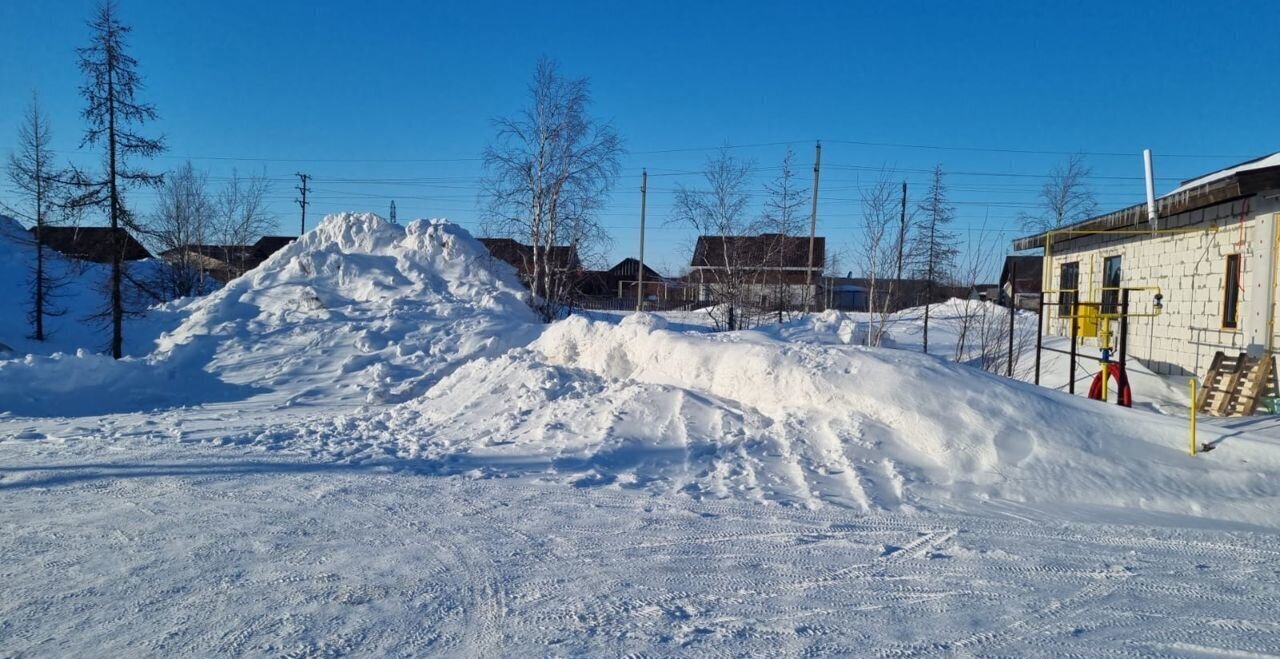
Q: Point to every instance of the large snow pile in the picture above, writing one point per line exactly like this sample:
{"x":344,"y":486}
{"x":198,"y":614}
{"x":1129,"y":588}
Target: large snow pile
{"x":747,"y":415}
{"x":359,"y":308}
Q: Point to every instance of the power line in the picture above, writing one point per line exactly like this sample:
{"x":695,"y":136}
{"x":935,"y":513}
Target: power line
{"x":1101,"y":154}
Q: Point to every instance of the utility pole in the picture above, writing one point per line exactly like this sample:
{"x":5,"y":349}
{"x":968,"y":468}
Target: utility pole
{"x":813,"y":228}
{"x":644,"y":189}
{"x":303,"y":189}
{"x":393,"y":211}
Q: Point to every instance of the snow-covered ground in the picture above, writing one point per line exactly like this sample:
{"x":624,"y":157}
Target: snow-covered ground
{"x":368,"y":447}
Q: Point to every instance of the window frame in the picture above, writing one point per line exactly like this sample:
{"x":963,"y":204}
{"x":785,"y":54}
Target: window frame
{"x":1231,"y":293}
{"x":1065,"y":299}
{"x":1110,"y":297}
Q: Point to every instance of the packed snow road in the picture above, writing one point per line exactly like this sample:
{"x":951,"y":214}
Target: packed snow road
{"x":224,"y":551}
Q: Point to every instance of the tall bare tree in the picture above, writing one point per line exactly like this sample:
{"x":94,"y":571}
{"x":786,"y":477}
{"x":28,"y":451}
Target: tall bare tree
{"x":934,"y":248}
{"x":719,"y":214}
{"x":182,"y":224}
{"x":547,"y":174}
{"x":784,"y":217}
{"x":971,"y":316}
{"x":114,"y":113}
{"x":879,"y":249}
{"x":1065,"y":198}
{"x":42,"y":189}
{"x":242,"y":216}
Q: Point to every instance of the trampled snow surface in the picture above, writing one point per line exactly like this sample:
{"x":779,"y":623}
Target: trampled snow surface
{"x":399,"y":462}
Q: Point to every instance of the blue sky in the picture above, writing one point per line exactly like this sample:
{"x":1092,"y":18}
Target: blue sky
{"x":391,"y":100}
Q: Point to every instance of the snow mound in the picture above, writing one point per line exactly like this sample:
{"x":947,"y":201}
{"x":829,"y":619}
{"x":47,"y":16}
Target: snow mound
{"x":359,"y":308}
{"x":747,"y":415}
{"x":85,"y":383}
{"x":78,"y":297}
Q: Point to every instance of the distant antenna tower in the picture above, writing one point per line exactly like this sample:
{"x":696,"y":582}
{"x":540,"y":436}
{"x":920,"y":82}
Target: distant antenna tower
{"x":393,"y":211}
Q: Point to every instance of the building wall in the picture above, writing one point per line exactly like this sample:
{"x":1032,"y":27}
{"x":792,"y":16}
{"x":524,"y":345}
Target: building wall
{"x":1190,"y":270}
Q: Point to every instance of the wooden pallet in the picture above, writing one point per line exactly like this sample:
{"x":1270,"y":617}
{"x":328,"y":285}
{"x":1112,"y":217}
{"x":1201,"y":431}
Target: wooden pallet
{"x":1235,"y":385}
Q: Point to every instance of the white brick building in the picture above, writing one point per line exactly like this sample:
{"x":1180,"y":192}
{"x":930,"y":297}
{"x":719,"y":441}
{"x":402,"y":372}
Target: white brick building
{"x":1213,"y":258}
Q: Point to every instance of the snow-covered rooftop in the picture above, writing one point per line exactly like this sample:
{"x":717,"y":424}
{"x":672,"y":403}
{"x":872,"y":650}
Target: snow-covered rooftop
{"x":1263,"y":162}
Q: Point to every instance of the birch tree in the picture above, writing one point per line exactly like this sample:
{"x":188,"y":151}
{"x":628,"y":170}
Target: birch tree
{"x":241,"y":215}
{"x":1065,"y":198}
{"x":878,"y":250}
{"x":182,"y":222}
{"x":547,"y":174}
{"x":718,"y":213}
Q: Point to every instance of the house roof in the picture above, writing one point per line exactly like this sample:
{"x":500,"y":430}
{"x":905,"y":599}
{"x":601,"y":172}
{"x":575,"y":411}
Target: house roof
{"x":268,"y":245}
{"x":626,"y":268}
{"x":1228,"y":184}
{"x":765,"y":251}
{"x":225,"y":253}
{"x":92,"y":243}
{"x":1028,"y":268}
{"x":520,"y":255}
{"x":248,"y":256}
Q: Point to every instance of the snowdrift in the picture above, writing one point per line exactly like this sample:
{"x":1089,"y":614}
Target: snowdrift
{"x":79,"y":296}
{"x":747,"y":415}
{"x":357,"y":310}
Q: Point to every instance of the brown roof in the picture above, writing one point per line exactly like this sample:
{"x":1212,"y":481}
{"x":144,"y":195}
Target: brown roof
{"x":92,"y":243}
{"x":520,"y":255}
{"x":766,"y":251}
{"x":626,"y":269}
{"x":1028,"y":271}
{"x":268,"y":245}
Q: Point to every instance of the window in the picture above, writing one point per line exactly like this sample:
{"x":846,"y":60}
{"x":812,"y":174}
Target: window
{"x":1068,"y":280}
{"x":1111,"y":285}
{"x":1231,"y":294}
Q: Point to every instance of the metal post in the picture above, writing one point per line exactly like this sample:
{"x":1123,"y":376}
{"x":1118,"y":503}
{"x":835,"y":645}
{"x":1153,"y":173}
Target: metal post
{"x":644,"y":188}
{"x":1039,"y":335}
{"x":1013,"y":303}
{"x":1124,"y":325}
{"x":813,"y":228}
{"x":1193,"y":416}
{"x":1075,"y":327}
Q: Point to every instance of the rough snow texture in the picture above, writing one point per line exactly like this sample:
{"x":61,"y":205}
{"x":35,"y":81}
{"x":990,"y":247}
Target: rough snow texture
{"x":747,"y":415}
{"x":357,"y":309}
{"x":360,"y":307}
{"x":466,"y":483}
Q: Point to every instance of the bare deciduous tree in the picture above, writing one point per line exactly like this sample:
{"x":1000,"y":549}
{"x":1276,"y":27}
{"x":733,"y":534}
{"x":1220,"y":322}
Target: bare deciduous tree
{"x":113,"y":112}
{"x":977,"y":263}
{"x":878,"y":251}
{"x":42,"y":188}
{"x":1065,"y":198}
{"x":181,"y":224}
{"x":719,"y":215}
{"x":242,"y":216}
{"x":546,"y":176}
{"x":784,"y":216}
